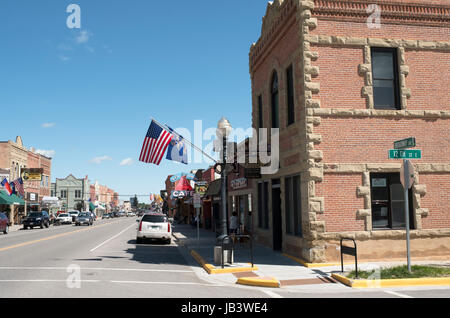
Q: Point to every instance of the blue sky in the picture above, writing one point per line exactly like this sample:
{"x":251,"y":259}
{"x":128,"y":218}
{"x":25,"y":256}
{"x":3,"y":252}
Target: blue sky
{"x":88,"y":94}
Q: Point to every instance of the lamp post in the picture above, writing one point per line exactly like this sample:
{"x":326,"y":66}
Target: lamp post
{"x":222,"y":132}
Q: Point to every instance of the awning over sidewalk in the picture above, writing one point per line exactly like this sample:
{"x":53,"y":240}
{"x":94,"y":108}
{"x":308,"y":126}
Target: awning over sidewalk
{"x":12,"y":199}
{"x":214,"y":188}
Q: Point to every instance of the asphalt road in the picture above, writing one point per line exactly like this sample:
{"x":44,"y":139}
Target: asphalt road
{"x":104,"y":261}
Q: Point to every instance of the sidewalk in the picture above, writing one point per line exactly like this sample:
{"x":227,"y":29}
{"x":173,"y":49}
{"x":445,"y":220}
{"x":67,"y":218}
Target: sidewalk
{"x":271,"y":268}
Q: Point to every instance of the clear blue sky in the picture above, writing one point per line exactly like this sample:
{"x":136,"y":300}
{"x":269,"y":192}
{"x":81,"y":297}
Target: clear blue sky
{"x":90,"y":93}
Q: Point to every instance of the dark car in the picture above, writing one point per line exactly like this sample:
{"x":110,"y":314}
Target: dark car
{"x":36,"y":219}
{"x":84,"y":218}
{"x":4,"y":223}
{"x":106,"y":216}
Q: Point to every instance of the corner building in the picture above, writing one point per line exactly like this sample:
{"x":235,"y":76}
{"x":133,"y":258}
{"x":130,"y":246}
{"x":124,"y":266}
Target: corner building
{"x":342,"y":89}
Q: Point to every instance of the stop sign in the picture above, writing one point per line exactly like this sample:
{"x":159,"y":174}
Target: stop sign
{"x":410,"y":172}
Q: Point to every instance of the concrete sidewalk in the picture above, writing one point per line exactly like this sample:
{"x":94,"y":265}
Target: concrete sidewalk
{"x":271,"y":268}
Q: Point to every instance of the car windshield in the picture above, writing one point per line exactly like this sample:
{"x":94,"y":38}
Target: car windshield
{"x":154,"y":218}
{"x":63,"y":215}
{"x":35,"y":215}
{"x":73,"y":212}
{"x":83,"y":215}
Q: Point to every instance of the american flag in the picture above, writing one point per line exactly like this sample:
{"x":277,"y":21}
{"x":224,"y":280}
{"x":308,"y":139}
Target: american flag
{"x":155,"y":144}
{"x":18,"y":184}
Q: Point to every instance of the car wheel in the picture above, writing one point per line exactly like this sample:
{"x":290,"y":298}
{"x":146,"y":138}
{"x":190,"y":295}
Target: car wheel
{"x":24,"y":227}
{"x":47,"y":224}
{"x":138,"y":240}
{"x":6,"y":231}
{"x":168,"y":241}
{"x":42,"y":225}
{"x":31,"y":227}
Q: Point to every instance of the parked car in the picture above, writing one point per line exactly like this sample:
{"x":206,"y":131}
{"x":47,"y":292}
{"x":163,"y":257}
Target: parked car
{"x":64,"y":218}
{"x":130,"y":214}
{"x":94,"y":216}
{"x":106,"y":216}
{"x":84,"y":218}
{"x":74,"y":215}
{"x":115,"y":214}
{"x":121,"y":213}
{"x":4,"y":223}
{"x":154,"y":226}
{"x":36,"y":219}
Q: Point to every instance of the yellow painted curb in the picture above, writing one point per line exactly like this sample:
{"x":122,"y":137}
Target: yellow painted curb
{"x":314,"y":265}
{"x":210,"y":269}
{"x":401,"y":282}
{"x":259,"y":281}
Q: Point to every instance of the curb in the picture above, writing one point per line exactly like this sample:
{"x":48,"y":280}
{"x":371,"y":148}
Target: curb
{"x":401,"y":282}
{"x":211,"y":269}
{"x":259,"y":281}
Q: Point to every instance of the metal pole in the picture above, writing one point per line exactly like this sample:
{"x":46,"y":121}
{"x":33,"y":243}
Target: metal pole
{"x":224,"y":189}
{"x":406,"y":187}
{"x":198,"y":227}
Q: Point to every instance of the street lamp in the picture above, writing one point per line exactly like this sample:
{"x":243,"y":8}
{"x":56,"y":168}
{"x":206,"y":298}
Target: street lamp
{"x":223,"y":131}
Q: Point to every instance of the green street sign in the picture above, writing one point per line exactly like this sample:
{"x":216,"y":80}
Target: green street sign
{"x":405,"y":143}
{"x":405,"y":154}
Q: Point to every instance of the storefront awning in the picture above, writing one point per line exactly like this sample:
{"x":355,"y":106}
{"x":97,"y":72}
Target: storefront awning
{"x":12,"y":199}
{"x":214,"y":188}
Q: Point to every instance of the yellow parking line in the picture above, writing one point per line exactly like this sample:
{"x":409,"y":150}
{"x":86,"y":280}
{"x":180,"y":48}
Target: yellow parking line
{"x":50,"y":238}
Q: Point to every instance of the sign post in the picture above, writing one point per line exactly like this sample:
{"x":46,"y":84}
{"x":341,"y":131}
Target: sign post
{"x":407,"y":178}
{"x":197,"y":206}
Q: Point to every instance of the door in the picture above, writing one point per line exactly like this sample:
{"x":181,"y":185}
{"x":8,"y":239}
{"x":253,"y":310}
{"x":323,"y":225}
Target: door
{"x":276,"y":216}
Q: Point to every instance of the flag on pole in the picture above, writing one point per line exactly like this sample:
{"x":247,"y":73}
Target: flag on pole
{"x":177,"y":149}
{"x":7,"y":187}
{"x":155,"y":144}
{"x":18,"y":185}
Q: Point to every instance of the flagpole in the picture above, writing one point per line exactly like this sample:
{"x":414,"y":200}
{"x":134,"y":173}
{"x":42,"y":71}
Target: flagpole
{"x":165,"y":127}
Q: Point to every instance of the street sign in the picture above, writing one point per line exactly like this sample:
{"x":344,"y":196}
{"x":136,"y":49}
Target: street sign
{"x":197,"y":201}
{"x":405,"y":154}
{"x":405,"y":143}
{"x":410,"y":172}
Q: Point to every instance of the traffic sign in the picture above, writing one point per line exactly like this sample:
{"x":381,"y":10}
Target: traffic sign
{"x":409,"y":172}
{"x":405,"y":143}
{"x":405,"y":154}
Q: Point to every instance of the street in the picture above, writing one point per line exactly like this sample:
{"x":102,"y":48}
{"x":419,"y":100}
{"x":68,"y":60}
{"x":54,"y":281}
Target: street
{"x":104,"y":261}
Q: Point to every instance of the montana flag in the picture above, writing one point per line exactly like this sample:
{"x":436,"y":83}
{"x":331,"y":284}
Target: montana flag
{"x":155,"y":144}
{"x":7,"y":187}
{"x":18,"y":185}
{"x":177,"y":149}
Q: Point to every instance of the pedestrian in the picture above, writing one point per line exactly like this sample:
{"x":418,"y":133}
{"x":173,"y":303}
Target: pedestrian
{"x":234,"y":223}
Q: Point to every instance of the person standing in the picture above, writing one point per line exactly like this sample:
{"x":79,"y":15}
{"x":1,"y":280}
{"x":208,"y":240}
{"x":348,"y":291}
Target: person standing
{"x":234,"y":223}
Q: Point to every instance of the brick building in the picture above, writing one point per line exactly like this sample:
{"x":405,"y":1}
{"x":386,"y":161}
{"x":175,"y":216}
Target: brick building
{"x":342,"y":88}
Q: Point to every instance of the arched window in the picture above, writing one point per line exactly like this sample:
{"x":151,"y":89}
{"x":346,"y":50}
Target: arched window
{"x":274,"y":101}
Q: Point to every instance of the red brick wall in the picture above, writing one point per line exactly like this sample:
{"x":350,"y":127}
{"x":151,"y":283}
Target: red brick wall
{"x":340,"y":83}
{"x":368,"y":140}
{"x":341,"y":202}
{"x":437,"y":200}
{"x":390,"y":31}
{"x":430,"y":88}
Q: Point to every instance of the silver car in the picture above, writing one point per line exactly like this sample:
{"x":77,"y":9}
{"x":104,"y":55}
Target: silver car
{"x":84,"y":218}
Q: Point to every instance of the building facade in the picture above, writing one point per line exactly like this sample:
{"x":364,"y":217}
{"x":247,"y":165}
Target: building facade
{"x":341,"y":89}
{"x":74,"y":193}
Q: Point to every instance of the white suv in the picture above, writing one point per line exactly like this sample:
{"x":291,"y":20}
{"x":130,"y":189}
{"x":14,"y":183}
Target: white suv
{"x":154,"y":226}
{"x":64,"y":218}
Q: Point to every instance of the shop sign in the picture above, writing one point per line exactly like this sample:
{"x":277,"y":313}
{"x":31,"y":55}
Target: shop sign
{"x":182,"y":194}
{"x":252,"y":173}
{"x":239,"y":183}
{"x":201,"y":187}
{"x":32,"y":197}
{"x":32,"y":174}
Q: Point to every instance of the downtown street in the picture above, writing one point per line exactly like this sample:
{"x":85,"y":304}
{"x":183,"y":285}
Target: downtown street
{"x":104,"y":261}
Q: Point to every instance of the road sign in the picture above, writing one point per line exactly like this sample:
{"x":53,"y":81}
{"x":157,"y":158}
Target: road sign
{"x":410,"y":172}
{"x":197,"y":201}
{"x":405,"y":143}
{"x":405,"y":154}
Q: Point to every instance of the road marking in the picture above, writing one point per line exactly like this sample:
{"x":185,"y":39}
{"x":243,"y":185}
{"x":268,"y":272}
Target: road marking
{"x":99,"y":269}
{"x":165,"y":283}
{"x":51,"y":237}
{"x":271,"y":293}
{"x":134,"y":224}
{"x":45,"y":281}
{"x":397,"y":294}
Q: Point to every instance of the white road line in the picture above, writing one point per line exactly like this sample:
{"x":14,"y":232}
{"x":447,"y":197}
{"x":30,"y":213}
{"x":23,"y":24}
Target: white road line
{"x":397,"y":294}
{"x":99,"y":269}
{"x":134,"y":224}
{"x":45,"y":281}
{"x":164,"y":283}
{"x":271,"y":293}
